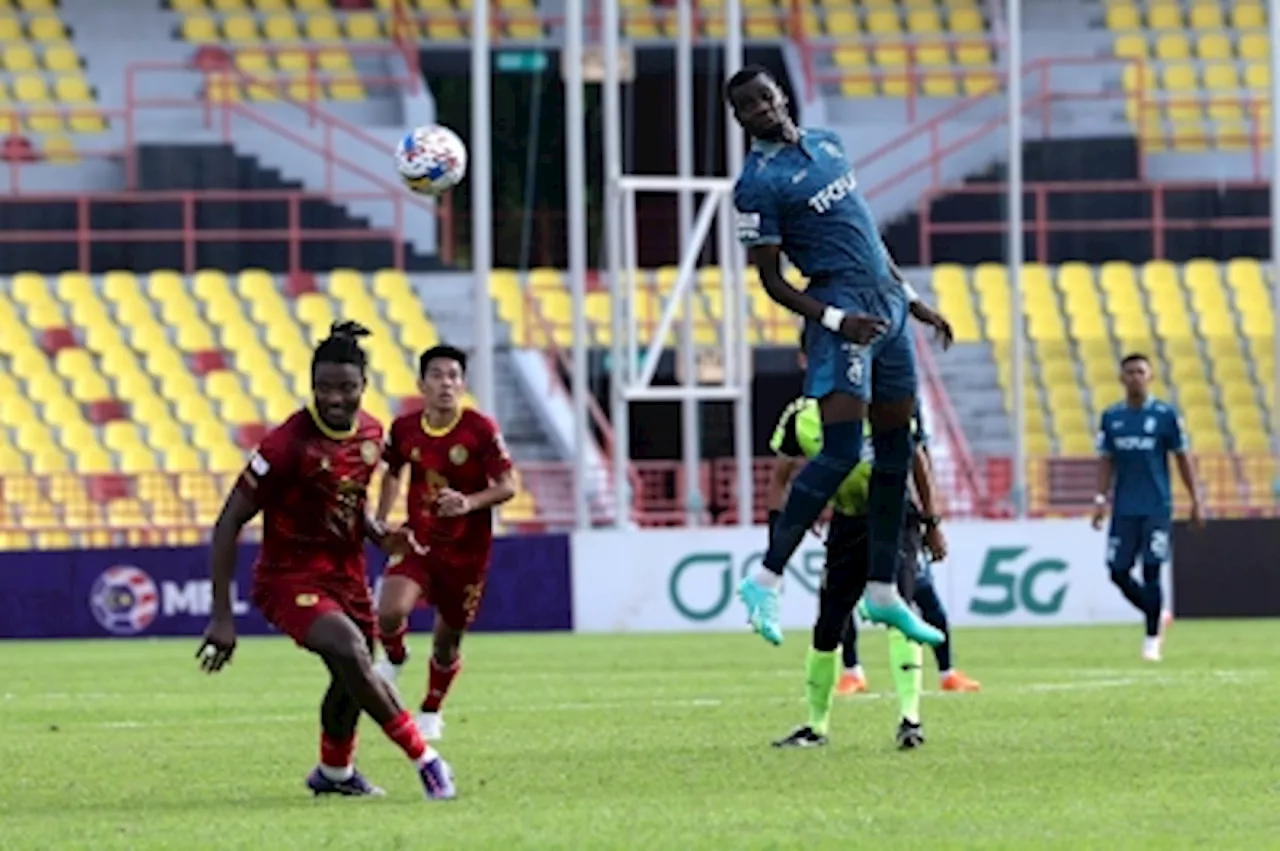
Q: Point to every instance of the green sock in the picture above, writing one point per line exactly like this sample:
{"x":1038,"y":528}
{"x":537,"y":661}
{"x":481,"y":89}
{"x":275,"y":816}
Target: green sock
{"x":820,"y":687}
{"x":907,"y":660}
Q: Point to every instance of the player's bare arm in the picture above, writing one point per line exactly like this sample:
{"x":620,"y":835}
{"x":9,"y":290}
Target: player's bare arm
{"x":389,"y":491}
{"x":856,"y":327}
{"x":1104,"y":488}
{"x":1187,"y":472}
{"x":219,"y":643}
{"x":452,"y":503}
{"x":922,"y":477}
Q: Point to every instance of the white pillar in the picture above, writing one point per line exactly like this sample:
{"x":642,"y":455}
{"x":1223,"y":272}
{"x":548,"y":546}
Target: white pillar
{"x":481,"y":207}
{"x":619,"y":414}
{"x":1018,"y":349}
{"x":690,"y":430}
{"x":576,"y":202}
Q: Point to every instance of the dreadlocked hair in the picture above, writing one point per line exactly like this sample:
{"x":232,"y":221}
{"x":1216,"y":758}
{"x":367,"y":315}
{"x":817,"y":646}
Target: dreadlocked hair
{"x":342,"y":345}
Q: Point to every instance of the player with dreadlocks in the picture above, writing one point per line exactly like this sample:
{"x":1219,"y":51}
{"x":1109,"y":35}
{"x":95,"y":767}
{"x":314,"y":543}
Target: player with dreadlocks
{"x":310,"y":479}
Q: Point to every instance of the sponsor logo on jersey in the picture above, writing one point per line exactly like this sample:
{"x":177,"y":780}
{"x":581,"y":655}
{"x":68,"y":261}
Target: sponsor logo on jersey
{"x":369,"y":452}
{"x":833,"y":193}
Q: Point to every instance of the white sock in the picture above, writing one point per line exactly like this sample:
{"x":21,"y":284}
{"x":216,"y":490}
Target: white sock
{"x":1151,"y":642}
{"x":337,"y":773}
{"x":429,"y":755}
{"x":882,"y":593}
{"x":769,"y":579}
{"x":856,"y":671}
{"x":942,"y":675}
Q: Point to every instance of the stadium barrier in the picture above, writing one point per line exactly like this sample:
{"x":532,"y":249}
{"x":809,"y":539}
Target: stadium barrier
{"x":1227,"y":569}
{"x":154,"y":592}
{"x":998,"y":573}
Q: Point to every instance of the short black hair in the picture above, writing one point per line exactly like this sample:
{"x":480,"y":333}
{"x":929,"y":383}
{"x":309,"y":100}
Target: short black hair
{"x":1134,"y":357}
{"x":745,"y":75}
{"x":445,"y":352}
{"x":342,"y":346}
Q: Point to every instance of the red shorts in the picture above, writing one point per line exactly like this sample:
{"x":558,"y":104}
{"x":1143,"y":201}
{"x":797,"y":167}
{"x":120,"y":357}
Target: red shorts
{"x":453,"y":584}
{"x":292,"y":605}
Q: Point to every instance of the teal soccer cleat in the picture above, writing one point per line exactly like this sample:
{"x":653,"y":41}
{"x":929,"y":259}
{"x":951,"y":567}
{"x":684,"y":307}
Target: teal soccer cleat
{"x":900,"y":616}
{"x":762,"y":609}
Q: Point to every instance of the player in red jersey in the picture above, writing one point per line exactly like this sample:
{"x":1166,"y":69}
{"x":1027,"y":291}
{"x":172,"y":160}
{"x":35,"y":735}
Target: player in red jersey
{"x":310,"y":480}
{"x":459,"y":470}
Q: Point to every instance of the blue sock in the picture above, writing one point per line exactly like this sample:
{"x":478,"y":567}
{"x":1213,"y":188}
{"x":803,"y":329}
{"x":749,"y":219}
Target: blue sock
{"x":813,"y":488}
{"x":1153,"y":596}
{"x":849,"y":644}
{"x":887,"y":501}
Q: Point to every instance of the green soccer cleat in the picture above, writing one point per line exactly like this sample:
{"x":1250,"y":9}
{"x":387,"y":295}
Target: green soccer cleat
{"x":900,"y":616}
{"x":762,"y":609}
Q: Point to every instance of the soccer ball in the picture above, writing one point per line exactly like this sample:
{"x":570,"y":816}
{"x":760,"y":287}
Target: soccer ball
{"x":431,"y":160}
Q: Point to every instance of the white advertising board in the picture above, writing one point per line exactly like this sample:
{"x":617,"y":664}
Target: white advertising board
{"x":998,"y":573}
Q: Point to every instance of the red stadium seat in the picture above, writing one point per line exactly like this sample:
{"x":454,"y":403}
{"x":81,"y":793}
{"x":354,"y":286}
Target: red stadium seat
{"x":300,"y":283}
{"x":105,"y":411}
{"x":210,"y":57}
{"x":18,"y":149}
{"x":109,"y":486}
{"x":210,"y":360}
{"x":54,"y":340}
{"x":408,"y":405}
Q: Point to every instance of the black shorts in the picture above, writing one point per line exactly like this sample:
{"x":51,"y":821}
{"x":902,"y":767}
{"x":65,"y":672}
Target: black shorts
{"x":849,"y":560}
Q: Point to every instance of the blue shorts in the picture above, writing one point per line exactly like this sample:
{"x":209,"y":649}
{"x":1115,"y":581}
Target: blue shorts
{"x":885,"y":370}
{"x":1131,"y":539}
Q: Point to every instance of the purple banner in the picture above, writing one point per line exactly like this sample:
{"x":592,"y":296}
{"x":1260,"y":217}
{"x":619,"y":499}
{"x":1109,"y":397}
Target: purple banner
{"x":105,"y":593}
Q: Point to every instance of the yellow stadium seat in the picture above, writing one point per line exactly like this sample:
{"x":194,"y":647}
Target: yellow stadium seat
{"x":280,"y":28}
{"x":46,"y":28}
{"x":1205,"y":16}
{"x":199,"y":29}
{"x":363,"y":26}
{"x":1123,"y":17}
{"x":72,"y":90}
{"x":242,"y":28}
{"x":1164,"y":17}
{"x":1254,"y":47}
{"x":30,"y":88}
{"x":1248,"y":15}
{"x":1173,"y":46}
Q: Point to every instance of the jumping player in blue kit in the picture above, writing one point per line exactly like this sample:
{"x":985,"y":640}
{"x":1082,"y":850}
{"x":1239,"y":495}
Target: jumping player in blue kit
{"x":1135,"y":438}
{"x":798,"y":195}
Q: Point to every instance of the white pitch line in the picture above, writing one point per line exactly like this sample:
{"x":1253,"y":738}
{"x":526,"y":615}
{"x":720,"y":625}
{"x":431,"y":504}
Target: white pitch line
{"x":599,"y":706}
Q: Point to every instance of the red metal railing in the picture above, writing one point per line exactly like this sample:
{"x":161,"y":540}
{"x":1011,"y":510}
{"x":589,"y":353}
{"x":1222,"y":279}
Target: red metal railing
{"x":165,"y":508}
{"x":1160,"y":223}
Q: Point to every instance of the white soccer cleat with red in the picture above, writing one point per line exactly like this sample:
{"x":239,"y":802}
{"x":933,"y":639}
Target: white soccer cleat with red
{"x":431,"y":726}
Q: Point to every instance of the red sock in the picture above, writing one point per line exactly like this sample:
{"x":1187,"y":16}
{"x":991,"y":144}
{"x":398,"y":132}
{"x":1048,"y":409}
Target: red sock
{"x":438,"y":683}
{"x":337,"y":753}
{"x":393,"y":643}
{"x":404,"y":733}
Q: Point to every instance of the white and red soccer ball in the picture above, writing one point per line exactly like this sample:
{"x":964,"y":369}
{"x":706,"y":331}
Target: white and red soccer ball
{"x":431,"y":160}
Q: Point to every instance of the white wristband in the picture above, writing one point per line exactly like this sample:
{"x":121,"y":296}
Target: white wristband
{"x":912,"y":295}
{"x":1100,"y":499}
{"x":832,"y":318}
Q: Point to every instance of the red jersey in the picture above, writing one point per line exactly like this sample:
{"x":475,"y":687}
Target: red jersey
{"x":312,"y":486}
{"x":467,"y":456}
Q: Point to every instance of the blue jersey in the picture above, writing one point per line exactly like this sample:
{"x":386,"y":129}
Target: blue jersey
{"x":1138,"y":441}
{"x":804,"y":198}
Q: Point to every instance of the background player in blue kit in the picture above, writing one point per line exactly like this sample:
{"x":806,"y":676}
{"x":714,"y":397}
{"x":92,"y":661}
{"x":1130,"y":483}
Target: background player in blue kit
{"x":798,"y":195}
{"x":1135,"y":438}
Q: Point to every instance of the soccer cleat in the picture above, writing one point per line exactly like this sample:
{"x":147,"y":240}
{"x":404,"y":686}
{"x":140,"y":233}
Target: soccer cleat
{"x":1151,"y":649}
{"x":353,"y":786}
{"x":909,"y":735}
{"x":959,"y":681}
{"x":437,"y":780}
{"x":431,"y":726}
{"x":851,"y":682}
{"x":900,"y":616}
{"x":801,"y":737}
{"x":762,"y":609}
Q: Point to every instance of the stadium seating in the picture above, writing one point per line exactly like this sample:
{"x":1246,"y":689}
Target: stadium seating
{"x":539,"y":310}
{"x":1208,"y":328}
{"x":892,"y":49}
{"x":1198,"y":73}
{"x":275,"y":41}
{"x":44,"y":94}
{"x":128,"y":403}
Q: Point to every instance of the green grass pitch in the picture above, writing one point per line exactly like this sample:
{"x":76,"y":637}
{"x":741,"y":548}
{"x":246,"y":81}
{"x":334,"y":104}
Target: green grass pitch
{"x":657,"y":742}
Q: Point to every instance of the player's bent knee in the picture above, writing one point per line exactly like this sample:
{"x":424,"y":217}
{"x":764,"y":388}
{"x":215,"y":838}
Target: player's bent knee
{"x":892,"y":449}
